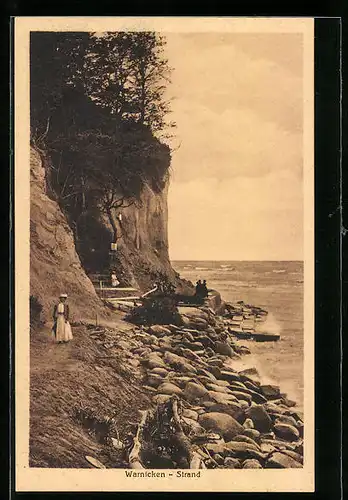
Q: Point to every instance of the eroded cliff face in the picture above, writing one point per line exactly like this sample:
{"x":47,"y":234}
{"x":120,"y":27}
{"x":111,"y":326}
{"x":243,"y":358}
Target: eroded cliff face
{"x":143,"y":247}
{"x":55,"y":266}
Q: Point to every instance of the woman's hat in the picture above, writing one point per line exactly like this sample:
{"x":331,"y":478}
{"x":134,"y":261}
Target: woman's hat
{"x":63,"y":295}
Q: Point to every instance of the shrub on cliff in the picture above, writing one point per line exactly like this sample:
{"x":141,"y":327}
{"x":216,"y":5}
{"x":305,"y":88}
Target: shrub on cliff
{"x":158,"y":310}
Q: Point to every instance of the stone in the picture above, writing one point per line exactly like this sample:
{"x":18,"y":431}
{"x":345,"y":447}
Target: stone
{"x":209,"y":352}
{"x":195,"y":391}
{"x":267,"y":448}
{"x":242,"y":396}
{"x":296,"y":456}
{"x":251,"y":375}
{"x":253,"y":434}
{"x":281,"y":461}
{"x":216,"y":388}
{"x":270,"y":391}
{"x":251,"y":463}
{"x":250,"y":385}
{"x":232,"y":409}
{"x":178,"y":363}
{"x":242,"y":438}
{"x":229,"y":376}
{"x":285,"y":419}
{"x":221,"y":398}
{"x":215,"y":371}
{"x":194,"y":346}
{"x":154,"y":380}
{"x":217,"y":448}
{"x":169,"y":388}
{"x":224,"y":348}
{"x":248,"y":424}
{"x":193,"y":415}
{"x":262,"y":421}
{"x":244,"y":450}
{"x":232,"y":463}
{"x":206,"y":373}
{"x":159,"y":330}
{"x":188,"y":336}
{"x":221,"y":423}
{"x":154,"y":361}
{"x":286,"y":431}
{"x":159,"y":371}
{"x":215,"y":362}
{"x":206,"y":341}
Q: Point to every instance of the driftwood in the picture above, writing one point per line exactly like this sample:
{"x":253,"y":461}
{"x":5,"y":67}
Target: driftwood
{"x":134,"y":455}
{"x":193,"y":457}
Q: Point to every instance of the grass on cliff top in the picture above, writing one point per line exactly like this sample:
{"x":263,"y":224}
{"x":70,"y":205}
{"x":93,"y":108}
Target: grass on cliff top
{"x":74,"y":389}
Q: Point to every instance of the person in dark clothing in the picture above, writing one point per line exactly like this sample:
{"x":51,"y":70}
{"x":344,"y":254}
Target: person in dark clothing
{"x":204,"y":289}
{"x":198,"y":288}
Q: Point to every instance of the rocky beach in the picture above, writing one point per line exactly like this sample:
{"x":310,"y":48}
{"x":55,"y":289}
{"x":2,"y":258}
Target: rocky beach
{"x":197,"y":405}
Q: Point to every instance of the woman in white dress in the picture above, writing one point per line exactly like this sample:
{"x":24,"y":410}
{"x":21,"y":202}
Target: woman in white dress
{"x":61,"y":328}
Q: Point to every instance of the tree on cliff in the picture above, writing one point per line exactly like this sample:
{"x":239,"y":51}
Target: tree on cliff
{"x":127,"y":74}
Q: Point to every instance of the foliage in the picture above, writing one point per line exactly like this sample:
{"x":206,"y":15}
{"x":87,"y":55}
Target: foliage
{"x":95,"y":103}
{"x":160,"y":309}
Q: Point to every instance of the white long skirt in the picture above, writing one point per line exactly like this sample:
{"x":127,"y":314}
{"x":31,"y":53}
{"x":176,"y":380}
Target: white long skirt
{"x":63,"y":330}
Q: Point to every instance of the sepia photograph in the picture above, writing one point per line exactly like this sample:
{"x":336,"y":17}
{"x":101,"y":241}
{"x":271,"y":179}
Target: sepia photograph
{"x":165,"y":288}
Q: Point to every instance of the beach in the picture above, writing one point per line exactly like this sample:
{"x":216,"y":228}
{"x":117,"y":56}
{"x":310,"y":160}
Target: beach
{"x":276,"y":287}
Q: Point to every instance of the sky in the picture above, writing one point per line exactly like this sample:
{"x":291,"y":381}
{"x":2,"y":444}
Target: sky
{"x":236,"y":183}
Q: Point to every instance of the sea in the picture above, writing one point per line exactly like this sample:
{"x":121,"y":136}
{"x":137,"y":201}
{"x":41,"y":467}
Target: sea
{"x":276,"y":287}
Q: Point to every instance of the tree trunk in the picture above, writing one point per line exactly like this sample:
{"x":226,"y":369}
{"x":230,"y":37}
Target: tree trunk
{"x":112,"y":223}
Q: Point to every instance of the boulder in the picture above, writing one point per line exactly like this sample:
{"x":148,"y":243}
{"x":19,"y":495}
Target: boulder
{"x":286,"y":431}
{"x":206,"y":373}
{"x":251,"y":375}
{"x":194,"y":346}
{"x":270,"y":391}
{"x":179,"y":363}
{"x":244,"y":450}
{"x":168,"y":388}
{"x":232,"y":409}
{"x":221,"y":398}
{"x":215,"y":370}
{"x":232,"y":463}
{"x":153,"y":361}
{"x":296,"y":456}
{"x":242,"y":396}
{"x":205,"y":340}
{"x":195,"y":391}
{"x":251,"y":463}
{"x":242,"y":438}
{"x":285,"y":419}
{"x":253,"y":434}
{"x":209,"y":352}
{"x":193,"y":415}
{"x":267,"y":448}
{"x":229,"y":376}
{"x":159,"y":330}
{"x":154,"y":380}
{"x":217,"y":388}
{"x":217,"y":448}
{"x":250,"y":385}
{"x":180,"y":381}
{"x":259,"y":416}
{"x":216,"y":362}
{"x":281,"y":461}
{"x":159,"y":371}
{"x":224,"y":349}
{"x":221,"y":423}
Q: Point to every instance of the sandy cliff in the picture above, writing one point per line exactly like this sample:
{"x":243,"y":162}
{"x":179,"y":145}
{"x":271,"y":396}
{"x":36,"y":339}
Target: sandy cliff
{"x":55,"y":266}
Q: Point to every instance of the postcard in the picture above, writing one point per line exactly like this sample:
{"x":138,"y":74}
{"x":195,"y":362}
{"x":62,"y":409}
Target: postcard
{"x":164,"y":249}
